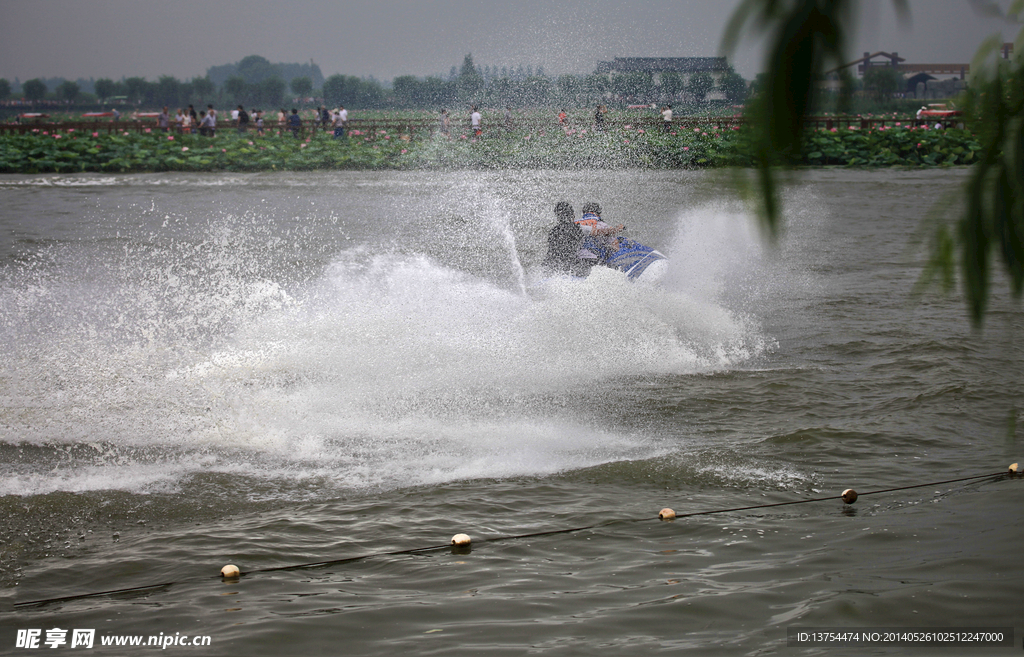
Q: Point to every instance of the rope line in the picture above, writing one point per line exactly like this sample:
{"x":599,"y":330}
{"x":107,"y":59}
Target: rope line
{"x":496,"y":539}
{"x":822,"y":499}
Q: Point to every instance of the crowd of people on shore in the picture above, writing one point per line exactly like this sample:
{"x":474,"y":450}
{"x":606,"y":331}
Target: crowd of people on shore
{"x":187,"y":121}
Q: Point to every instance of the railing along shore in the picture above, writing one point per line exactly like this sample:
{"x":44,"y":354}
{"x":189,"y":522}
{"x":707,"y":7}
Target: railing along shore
{"x":413,"y":125}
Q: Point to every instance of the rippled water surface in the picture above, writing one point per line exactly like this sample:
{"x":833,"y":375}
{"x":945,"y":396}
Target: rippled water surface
{"x":277,"y":370}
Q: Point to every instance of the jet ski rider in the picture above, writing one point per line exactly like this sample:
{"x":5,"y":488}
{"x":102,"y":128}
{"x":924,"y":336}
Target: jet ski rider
{"x":565,"y":241}
{"x":599,"y":237}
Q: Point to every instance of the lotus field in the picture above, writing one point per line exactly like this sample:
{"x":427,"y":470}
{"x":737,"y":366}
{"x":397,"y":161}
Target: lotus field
{"x":54,"y":151}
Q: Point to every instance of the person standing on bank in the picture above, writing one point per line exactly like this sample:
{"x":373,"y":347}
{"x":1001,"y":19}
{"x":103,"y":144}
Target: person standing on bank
{"x":475,"y":122}
{"x":243,"y":120}
{"x":340,"y":118}
{"x":446,"y":126}
{"x":206,"y":124}
{"x":343,"y":115}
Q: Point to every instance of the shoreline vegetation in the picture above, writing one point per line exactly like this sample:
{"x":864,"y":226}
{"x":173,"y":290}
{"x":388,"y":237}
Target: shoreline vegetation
{"x":49,"y":149}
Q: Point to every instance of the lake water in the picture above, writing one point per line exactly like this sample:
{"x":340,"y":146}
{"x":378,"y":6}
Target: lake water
{"x":271,"y":370}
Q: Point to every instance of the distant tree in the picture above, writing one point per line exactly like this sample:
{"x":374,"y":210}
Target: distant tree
{"x":105,"y":88}
{"x":137,"y":89}
{"x":302,"y":86}
{"x":700,"y":85}
{"x":167,"y":91}
{"x":68,"y":91}
{"x":203,"y":88}
{"x":596,"y":86}
{"x":733,"y":86}
{"x":289,"y":72}
{"x":269,"y":92}
{"x":34,"y":89}
{"x":353,"y":92}
{"x":636,"y":86}
{"x":883,"y":81}
{"x":671,"y":83}
{"x":255,"y":69}
{"x":369,"y":94}
{"x":5,"y":88}
{"x":850,"y":81}
{"x":759,"y":83}
{"x":570,"y":89}
{"x":438,"y":92}
{"x":236,"y":88}
{"x":408,"y":91}
{"x":503,"y":91}
{"x":471,"y":83}
{"x":334,"y":90}
{"x":536,"y":91}
{"x":185,"y":90}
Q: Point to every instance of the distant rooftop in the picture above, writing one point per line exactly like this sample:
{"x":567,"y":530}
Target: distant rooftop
{"x":663,"y":64}
{"x":899,"y":63}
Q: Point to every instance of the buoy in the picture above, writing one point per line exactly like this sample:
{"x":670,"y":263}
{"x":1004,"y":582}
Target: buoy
{"x":666,"y":514}
{"x":460,"y":540}
{"x":230,"y":570}
{"x":849,"y":496}
{"x":1013,"y":469}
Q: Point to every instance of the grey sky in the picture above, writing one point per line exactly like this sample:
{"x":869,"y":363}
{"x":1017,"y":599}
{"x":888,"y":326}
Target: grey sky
{"x":385,"y":38}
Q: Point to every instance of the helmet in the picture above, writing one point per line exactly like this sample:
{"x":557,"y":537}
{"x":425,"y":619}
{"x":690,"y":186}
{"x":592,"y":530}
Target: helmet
{"x":564,"y":211}
{"x":592,"y":207}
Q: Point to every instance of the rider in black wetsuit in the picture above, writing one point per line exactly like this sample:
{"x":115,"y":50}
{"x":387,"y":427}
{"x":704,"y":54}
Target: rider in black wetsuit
{"x":564,"y":242}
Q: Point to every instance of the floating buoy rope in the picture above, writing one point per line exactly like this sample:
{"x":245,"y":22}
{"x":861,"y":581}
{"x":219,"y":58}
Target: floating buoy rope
{"x":461,"y":543}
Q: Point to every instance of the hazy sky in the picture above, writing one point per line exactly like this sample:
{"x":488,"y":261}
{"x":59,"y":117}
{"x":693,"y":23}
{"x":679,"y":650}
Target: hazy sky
{"x":385,"y":38}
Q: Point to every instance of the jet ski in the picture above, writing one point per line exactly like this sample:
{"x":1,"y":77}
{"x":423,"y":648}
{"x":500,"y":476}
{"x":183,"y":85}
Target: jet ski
{"x":628,"y":256}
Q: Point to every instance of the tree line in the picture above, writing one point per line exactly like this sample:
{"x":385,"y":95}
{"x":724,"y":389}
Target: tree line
{"x":254,"y":81}
{"x":470,"y":86}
